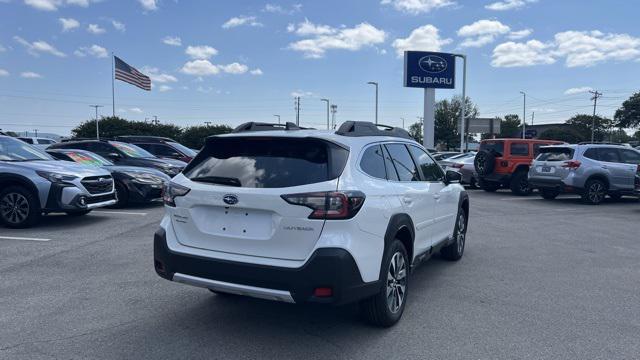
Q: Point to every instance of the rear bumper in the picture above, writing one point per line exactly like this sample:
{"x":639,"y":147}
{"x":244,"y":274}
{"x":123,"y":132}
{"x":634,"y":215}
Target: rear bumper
{"x":327,"y":268}
{"x":496,"y":177}
{"x":549,"y":184}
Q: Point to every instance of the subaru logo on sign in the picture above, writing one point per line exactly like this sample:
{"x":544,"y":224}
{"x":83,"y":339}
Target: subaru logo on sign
{"x":230,"y":199}
{"x":433,"y":64}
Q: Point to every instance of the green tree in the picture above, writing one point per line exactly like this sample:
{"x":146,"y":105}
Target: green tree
{"x":628,"y":115}
{"x":415,"y":130}
{"x":510,"y":126}
{"x":115,"y":126}
{"x":562,"y":134}
{"x":447,"y":114}
{"x":194,"y":136}
{"x":582,"y":123}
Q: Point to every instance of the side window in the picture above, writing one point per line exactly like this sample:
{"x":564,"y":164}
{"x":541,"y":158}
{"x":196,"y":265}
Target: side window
{"x":592,"y":154}
{"x":148,"y":147}
{"x":392,"y":174}
{"x":27,"y":140}
{"x":372,"y":162}
{"x":403,"y":162}
{"x":630,"y":156}
{"x":162,"y":150}
{"x":608,"y":155}
{"x":519,"y":149}
{"x":59,"y":156}
{"x":430,"y":169}
{"x":101,"y":148}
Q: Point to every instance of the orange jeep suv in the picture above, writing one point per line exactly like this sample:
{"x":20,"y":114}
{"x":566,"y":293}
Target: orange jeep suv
{"x":505,"y":162}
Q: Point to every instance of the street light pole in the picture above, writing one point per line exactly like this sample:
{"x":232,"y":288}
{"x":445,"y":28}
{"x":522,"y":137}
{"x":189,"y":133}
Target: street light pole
{"x":524,"y":114}
{"x":402,"y":122}
{"x":278,"y":116}
{"x":97,"y":124}
{"x":376,"y":85}
{"x":327,"y":101}
{"x":463,"y":128}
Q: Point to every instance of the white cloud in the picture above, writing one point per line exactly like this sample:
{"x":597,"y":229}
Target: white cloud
{"x":588,"y":48}
{"x":68,"y":24}
{"x":301,"y":93}
{"x":424,"y":38}
{"x":240,"y":21}
{"x":30,"y":75}
{"x":512,"y":54}
{"x":577,"y":48}
{"x":520,"y":34}
{"x":164,"y":88}
{"x":53,"y":5}
{"x":2,"y":49}
{"x":95,"y":29}
{"x":578,"y":90}
{"x":149,"y":5}
{"x":416,"y":7}
{"x":201,"y":52}
{"x":308,"y":28}
{"x":157,"y":76}
{"x":234,"y":68}
{"x":118,"y":25}
{"x":200,"y":68}
{"x":136,"y":110}
{"x":482,"y":32}
{"x":278,"y":9}
{"x":37,"y":47}
{"x":256,"y":72}
{"x":351,"y":39}
{"x":172,"y":40}
{"x":93,"y":50}
{"x":508,"y":4}
{"x":4,"y":72}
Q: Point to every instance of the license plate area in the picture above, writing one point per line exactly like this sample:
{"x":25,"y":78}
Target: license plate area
{"x":234,"y":222}
{"x":546,"y":169}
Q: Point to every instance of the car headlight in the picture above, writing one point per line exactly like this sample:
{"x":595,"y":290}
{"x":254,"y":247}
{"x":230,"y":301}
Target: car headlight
{"x":55,"y":177}
{"x":144,"y":178}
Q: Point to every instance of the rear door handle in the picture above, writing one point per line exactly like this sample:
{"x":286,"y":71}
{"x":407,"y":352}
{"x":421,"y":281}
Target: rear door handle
{"x":605,"y":167}
{"x":436,"y":196}
{"x":407,"y":200}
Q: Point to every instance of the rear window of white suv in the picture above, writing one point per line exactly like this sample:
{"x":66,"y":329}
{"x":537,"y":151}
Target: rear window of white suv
{"x":555,"y":154}
{"x":267,"y":162}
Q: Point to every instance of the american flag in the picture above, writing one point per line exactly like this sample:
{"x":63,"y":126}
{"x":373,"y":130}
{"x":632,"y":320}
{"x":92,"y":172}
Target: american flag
{"x":129,"y":74}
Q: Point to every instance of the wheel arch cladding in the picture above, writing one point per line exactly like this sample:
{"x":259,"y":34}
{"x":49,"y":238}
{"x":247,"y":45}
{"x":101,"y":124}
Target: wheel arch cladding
{"x":463,"y":203}
{"x":401,"y":227}
{"x":600,"y":177}
{"x":7,"y":180}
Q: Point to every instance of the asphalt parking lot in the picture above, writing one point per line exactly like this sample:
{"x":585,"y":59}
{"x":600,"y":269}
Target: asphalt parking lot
{"x":539,"y":280}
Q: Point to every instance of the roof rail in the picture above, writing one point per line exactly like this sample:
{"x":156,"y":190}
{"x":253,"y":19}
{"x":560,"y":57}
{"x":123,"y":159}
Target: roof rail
{"x":148,"y":138}
{"x":598,"y":143}
{"x":366,"y":128}
{"x":260,"y":126}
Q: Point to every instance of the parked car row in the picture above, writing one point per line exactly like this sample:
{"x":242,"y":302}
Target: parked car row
{"x":75,"y":177}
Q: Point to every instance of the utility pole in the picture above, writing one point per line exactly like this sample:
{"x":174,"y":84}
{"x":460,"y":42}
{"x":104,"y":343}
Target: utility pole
{"x":328,"y":105}
{"x":524,"y":115}
{"x":278,"y":116}
{"x":334,"y":110}
{"x":36,"y":131}
{"x":297,"y":108}
{"x":155,"y":120}
{"x":402,"y":122}
{"x":595,"y":97}
{"x":97,"y":123}
{"x":376,"y":85}
{"x":208,"y":123}
{"x":533,"y":115}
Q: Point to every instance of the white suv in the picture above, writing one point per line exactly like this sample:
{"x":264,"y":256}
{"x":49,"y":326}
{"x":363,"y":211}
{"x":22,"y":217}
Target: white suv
{"x":300,"y":215}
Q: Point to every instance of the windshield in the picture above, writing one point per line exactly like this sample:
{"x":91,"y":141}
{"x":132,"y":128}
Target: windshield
{"x":16,"y":150}
{"x":185,"y":150}
{"x":132,"y":150}
{"x":86,"y":158}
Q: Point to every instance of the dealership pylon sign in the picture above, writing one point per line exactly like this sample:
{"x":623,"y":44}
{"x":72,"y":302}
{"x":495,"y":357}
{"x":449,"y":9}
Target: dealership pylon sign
{"x":430,"y":71}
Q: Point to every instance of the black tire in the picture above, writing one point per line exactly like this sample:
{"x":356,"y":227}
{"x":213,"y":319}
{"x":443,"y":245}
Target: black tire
{"x":520,"y":183}
{"x":484,"y":162}
{"x":615,"y":196}
{"x":488,"y":186}
{"x":594,"y":192}
{"x":78,"y":213}
{"x":122,"y":196}
{"x":455,"y":250}
{"x":19,"y":207}
{"x":383,"y":308}
{"x":548,"y":194}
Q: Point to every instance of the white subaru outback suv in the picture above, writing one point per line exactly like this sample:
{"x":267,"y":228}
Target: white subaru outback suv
{"x":301,"y":215}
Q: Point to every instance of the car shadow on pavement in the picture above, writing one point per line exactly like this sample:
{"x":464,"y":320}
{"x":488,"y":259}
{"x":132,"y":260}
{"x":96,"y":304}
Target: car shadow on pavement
{"x":53,"y":221}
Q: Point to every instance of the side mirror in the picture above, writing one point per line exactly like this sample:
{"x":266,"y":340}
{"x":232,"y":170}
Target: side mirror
{"x":451,"y":177}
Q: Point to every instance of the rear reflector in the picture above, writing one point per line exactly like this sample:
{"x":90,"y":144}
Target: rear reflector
{"x":323,"y":292}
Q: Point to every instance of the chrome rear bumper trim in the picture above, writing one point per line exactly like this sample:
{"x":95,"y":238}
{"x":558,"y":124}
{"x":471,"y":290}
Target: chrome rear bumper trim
{"x":239,"y":289}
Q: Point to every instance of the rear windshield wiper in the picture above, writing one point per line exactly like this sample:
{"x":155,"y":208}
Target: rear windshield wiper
{"x":218,"y":180}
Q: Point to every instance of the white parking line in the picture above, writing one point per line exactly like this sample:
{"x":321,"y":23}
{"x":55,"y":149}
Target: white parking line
{"x":22,"y":238}
{"x":121,"y":212}
{"x":520,"y":198}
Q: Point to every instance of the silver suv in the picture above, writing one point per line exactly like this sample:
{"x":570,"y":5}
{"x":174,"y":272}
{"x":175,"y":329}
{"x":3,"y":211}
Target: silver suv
{"x":591,"y":170}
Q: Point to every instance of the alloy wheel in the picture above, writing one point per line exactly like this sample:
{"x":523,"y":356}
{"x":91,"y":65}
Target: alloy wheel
{"x":461,"y":233}
{"x":396,"y":282}
{"x":14,"y":208}
{"x":596,"y":192}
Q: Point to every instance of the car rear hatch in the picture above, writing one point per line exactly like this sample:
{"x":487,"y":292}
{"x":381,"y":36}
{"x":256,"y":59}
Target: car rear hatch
{"x":235,"y":204}
{"x":553,"y":163}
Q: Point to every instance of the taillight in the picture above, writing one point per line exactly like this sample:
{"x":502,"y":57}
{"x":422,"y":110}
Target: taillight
{"x":331,"y":205}
{"x":171,"y":191}
{"x":571,"y":164}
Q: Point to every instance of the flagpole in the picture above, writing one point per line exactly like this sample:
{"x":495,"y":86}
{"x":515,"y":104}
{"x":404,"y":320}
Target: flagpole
{"x":113,"y":86}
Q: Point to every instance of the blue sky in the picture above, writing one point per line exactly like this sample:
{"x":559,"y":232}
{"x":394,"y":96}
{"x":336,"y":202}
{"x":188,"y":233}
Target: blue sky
{"x":235,"y":61}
